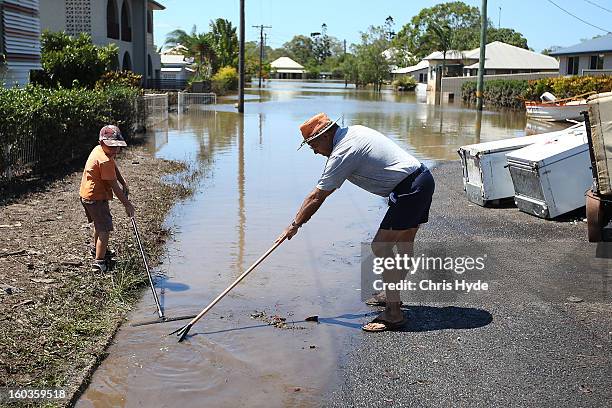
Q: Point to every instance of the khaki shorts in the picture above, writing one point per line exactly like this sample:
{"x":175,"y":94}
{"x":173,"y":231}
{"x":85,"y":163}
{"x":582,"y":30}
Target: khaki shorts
{"x":98,"y":212}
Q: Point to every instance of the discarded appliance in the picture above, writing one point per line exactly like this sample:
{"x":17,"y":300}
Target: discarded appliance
{"x":486,"y":179}
{"x":599,"y":199}
{"x":551,"y":178}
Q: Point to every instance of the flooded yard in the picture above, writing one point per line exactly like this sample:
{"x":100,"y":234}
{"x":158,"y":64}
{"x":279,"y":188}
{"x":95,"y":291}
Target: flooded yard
{"x":253,"y":180}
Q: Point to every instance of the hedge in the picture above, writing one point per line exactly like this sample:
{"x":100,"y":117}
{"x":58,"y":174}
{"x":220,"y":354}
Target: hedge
{"x":63,"y":124}
{"x":513,"y":93}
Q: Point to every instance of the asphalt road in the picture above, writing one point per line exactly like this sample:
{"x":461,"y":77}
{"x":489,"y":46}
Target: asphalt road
{"x":541,"y":336}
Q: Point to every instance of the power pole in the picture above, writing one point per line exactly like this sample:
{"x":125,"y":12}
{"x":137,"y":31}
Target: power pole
{"x":481,"y":63}
{"x":241,"y":61}
{"x":261,"y":48}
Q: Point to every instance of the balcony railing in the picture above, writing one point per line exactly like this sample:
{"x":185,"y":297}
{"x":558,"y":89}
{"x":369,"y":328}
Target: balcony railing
{"x":166,"y":84}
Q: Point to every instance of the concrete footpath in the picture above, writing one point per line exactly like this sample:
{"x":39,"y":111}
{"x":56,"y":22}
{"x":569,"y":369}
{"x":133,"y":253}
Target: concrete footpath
{"x":540,"y":337}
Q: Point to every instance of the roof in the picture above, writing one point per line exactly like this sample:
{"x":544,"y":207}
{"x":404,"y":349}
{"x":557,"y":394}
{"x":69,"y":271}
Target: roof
{"x":153,"y":5}
{"x":600,"y":44}
{"x":171,"y":59}
{"x":421,"y":65}
{"x":285,"y":63}
{"x":500,"y":55}
{"x":450,"y":54}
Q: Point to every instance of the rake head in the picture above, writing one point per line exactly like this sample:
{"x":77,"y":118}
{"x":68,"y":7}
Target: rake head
{"x":182,"y":332}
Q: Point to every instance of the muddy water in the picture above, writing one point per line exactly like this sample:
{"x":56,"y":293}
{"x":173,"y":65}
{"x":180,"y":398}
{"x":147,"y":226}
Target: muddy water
{"x":254,"y":180}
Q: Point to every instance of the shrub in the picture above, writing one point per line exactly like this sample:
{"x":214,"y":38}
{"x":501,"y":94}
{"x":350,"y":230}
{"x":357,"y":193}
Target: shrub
{"x":62,"y":124}
{"x":513,"y":93}
{"x":119,"y":78}
{"x":567,"y":87}
{"x":226,"y":79}
{"x":405,"y":83}
{"x":73,"y":61}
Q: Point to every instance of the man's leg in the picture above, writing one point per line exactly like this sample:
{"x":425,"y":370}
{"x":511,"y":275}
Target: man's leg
{"x":382,"y":246}
{"x":95,"y":238}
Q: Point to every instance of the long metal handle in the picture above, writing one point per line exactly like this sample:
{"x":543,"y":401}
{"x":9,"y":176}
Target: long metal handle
{"x":237,"y":281}
{"x":144,"y":260}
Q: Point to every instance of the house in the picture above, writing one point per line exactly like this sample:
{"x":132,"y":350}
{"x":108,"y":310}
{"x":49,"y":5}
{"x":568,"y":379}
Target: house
{"x":176,"y":67}
{"x":419,"y":72}
{"x":502,"y":58}
{"x":592,"y":57}
{"x":286,"y":68}
{"x":126,"y":23}
{"x":19,"y":41}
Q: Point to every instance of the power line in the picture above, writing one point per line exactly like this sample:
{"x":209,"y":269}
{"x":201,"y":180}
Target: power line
{"x":578,"y":18}
{"x":597,"y":5}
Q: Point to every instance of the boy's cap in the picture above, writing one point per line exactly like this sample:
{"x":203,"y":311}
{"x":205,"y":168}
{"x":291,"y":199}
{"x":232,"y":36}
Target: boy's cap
{"x":111,"y":136}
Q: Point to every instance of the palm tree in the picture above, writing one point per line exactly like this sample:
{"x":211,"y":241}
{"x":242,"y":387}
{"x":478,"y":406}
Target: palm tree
{"x":443,"y":39}
{"x":197,"y":45}
{"x":225,"y":42}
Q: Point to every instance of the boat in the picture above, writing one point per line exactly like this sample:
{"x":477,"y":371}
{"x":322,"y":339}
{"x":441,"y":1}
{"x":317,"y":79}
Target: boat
{"x":551,"y":109}
{"x":550,"y":179}
{"x":486,"y":179}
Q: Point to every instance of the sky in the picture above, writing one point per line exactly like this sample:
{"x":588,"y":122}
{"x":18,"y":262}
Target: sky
{"x":540,"y":21}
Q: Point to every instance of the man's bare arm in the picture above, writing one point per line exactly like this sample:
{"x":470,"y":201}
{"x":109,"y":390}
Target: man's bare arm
{"x":311,"y":204}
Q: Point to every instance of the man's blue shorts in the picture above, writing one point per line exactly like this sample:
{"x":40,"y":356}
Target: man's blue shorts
{"x":410,"y":200}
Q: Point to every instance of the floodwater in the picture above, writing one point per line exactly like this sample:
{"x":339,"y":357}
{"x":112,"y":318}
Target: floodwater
{"x":253,"y":182}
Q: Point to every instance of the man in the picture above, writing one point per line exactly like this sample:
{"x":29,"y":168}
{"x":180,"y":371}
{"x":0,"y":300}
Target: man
{"x":101,"y":178}
{"x":375,"y":163}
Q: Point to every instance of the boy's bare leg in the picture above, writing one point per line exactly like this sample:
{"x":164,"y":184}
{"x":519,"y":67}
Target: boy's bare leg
{"x":102,"y":244}
{"x":95,"y":236}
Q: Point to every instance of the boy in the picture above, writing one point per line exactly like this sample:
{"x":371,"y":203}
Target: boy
{"x":101,"y":179}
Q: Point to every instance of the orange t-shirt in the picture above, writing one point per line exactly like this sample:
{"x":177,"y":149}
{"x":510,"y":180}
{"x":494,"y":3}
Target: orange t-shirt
{"x":99,"y":170}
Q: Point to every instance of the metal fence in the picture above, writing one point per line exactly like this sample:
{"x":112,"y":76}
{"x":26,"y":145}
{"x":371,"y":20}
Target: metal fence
{"x":187,"y":100}
{"x":596,"y":72}
{"x":155,"y":108}
{"x":18,"y":157}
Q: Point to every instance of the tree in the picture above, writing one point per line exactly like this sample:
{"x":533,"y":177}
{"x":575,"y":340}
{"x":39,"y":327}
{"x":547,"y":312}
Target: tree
{"x":300,"y":48}
{"x":197,"y":45}
{"x":462,"y":20}
{"x":547,"y":51}
{"x":442,"y":37}
{"x":506,"y":35}
{"x":225,"y":42}
{"x":372,"y":65}
{"x":73,"y":61}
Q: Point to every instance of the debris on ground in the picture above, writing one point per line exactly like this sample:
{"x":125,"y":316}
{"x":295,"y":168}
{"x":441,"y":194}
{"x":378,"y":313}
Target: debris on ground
{"x":276,"y":320}
{"x":313,"y":318}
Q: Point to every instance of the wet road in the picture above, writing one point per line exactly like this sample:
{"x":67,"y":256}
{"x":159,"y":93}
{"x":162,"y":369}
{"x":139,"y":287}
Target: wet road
{"x":253,"y":182}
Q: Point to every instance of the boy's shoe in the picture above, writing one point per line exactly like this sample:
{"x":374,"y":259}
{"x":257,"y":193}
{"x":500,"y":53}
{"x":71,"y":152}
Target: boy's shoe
{"x":99,"y":266}
{"x":109,"y":253}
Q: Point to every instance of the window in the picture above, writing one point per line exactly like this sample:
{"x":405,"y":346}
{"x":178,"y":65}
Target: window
{"x":112,"y":22}
{"x":127,"y":62}
{"x":126,"y":23}
{"x":149,"y":67}
{"x":572,"y":66}
{"x":596,"y":62}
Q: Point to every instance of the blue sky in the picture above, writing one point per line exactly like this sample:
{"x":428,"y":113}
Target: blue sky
{"x":539,"y":21}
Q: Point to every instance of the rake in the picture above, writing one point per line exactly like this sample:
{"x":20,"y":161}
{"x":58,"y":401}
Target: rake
{"x":160,"y":313}
{"x":182,"y":332}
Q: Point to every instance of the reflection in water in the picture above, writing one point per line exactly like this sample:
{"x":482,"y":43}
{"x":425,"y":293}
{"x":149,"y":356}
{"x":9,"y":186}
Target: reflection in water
{"x":232,"y":360}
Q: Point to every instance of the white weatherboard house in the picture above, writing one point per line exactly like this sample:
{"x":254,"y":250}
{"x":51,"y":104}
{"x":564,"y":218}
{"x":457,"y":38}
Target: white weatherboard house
{"x":127,"y":23}
{"x":418,"y":72}
{"x":19,"y":41}
{"x":176,"y":67}
{"x":592,"y":57}
{"x":286,"y":68}
{"x":502,"y":58}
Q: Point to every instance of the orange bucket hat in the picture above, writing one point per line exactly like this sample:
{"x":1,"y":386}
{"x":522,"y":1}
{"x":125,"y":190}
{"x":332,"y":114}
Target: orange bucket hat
{"x":315,"y":127}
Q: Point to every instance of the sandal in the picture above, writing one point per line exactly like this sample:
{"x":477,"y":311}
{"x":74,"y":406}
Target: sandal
{"x":379,"y":325}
